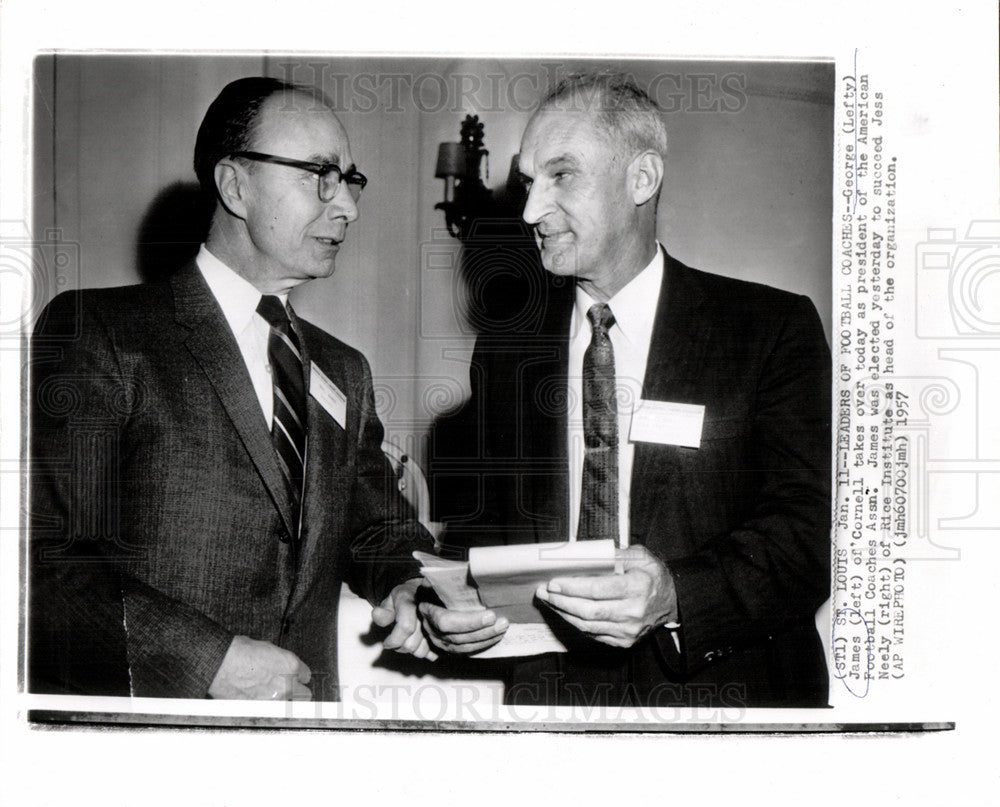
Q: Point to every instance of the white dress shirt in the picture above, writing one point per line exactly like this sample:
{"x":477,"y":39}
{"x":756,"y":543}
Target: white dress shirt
{"x":634,"y":309}
{"x":238,"y":299}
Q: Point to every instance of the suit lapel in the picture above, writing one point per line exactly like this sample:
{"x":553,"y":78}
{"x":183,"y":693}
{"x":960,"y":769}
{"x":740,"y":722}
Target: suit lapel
{"x":324,"y":480}
{"x":214,"y":348}
{"x":681,"y":332}
{"x":545,"y":398}
{"x":678,"y":339}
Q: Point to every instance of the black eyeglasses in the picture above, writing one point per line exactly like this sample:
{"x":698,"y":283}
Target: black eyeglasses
{"x":328,"y":175}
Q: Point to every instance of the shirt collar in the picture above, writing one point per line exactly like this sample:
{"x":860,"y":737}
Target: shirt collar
{"x":237,"y":297}
{"x":634,"y":306}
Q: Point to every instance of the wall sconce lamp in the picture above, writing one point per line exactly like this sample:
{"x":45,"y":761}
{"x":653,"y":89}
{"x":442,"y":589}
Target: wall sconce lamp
{"x":466,"y":198}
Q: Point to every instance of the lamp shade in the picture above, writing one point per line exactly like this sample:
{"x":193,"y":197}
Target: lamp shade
{"x":451,"y":161}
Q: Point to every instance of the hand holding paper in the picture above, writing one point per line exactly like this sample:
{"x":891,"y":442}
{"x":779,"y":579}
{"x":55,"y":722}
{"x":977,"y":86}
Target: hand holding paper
{"x":504,"y":578}
{"x":616,"y":609}
{"x":462,"y":632}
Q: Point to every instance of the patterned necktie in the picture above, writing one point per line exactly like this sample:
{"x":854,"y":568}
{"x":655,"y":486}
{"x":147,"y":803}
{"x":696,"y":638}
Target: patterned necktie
{"x":288,"y":426}
{"x":599,"y":491}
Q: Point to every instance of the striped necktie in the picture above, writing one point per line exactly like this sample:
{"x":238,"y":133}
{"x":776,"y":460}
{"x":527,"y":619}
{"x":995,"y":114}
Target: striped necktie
{"x":599,"y":488}
{"x":288,"y":426}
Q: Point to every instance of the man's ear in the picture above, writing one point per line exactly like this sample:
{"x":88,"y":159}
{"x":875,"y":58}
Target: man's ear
{"x":646,"y":176}
{"x":229,"y":179}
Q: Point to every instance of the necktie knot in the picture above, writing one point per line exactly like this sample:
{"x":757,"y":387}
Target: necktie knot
{"x":601,"y":318}
{"x":272,"y":310}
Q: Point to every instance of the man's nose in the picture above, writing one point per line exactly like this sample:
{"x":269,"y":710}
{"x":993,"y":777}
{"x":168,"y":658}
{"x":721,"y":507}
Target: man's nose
{"x":536,"y":206}
{"x":343,"y":204}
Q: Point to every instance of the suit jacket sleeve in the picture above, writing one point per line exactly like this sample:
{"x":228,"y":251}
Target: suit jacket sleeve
{"x":383,"y":526}
{"x":94,"y":628}
{"x":771,"y":571}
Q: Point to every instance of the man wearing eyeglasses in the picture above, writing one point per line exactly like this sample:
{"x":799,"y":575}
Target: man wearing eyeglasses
{"x":206,"y":466}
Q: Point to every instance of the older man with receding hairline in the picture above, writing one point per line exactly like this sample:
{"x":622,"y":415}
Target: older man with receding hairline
{"x":718,"y":497}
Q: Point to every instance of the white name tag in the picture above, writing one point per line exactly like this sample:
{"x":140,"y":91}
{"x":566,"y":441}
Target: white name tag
{"x":328,"y":395}
{"x":674,"y":424}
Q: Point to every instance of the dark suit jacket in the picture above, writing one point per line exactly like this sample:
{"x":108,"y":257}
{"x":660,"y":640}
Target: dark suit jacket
{"x":160,"y":521}
{"x":743,"y":522}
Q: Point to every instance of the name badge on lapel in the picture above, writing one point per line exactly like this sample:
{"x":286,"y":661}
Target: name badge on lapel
{"x":674,"y":424}
{"x":328,"y":395}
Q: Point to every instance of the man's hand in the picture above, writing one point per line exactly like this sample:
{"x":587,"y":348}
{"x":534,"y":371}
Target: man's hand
{"x":616,"y":609}
{"x":256,"y":670}
{"x":400,"y":608}
{"x":462,"y":632}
